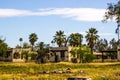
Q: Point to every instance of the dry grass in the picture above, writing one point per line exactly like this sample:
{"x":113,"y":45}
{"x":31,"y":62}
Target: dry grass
{"x":58,"y":71}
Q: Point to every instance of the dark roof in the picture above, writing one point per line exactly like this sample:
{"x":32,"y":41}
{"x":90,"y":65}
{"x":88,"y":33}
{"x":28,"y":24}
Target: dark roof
{"x":109,"y":51}
{"x":58,"y":48}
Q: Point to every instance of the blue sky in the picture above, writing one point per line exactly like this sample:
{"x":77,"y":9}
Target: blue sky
{"x":20,"y":18}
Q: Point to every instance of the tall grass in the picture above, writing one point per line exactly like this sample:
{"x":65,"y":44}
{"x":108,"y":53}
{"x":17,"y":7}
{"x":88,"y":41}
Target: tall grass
{"x":58,"y":71}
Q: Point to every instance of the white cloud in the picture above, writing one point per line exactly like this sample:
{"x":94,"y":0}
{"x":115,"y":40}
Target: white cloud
{"x":79,"y":14}
{"x":13,"y":12}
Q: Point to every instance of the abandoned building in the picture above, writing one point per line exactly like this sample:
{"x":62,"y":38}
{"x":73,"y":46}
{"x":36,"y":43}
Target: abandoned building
{"x":60,"y":54}
{"x":15,"y":55}
{"x":56,"y":54}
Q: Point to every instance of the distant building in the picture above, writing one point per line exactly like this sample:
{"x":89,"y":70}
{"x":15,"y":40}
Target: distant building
{"x":15,"y":55}
{"x":57,"y":54}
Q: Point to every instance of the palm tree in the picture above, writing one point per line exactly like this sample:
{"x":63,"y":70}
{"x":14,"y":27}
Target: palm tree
{"x":102,"y":44}
{"x":21,"y":39}
{"x":33,"y":38}
{"x":75,"y":39}
{"x":113,"y":44}
{"x":43,"y":50}
{"x":91,"y":38}
{"x":59,"y":38}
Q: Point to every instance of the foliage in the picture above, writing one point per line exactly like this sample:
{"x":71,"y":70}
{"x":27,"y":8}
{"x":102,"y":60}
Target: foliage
{"x":113,"y":44}
{"x":75,"y":39}
{"x":101,"y":44}
{"x":74,"y":60}
{"x":42,"y":50}
{"x":91,"y":38}
{"x":33,"y":55}
{"x":80,"y":53}
{"x":26,"y":45}
{"x":17,"y":46}
{"x":73,"y":52}
{"x":21,"y":39}
{"x":59,"y":38}
{"x":89,"y":58}
{"x":113,"y":11}
{"x":3,"y":48}
{"x":25,"y":55}
{"x":33,"y":38}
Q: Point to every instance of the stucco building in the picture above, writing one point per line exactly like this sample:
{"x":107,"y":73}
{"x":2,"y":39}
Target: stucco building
{"x":15,"y":54}
{"x":60,"y":54}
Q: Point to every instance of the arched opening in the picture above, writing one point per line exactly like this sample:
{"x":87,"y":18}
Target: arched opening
{"x":16,"y":55}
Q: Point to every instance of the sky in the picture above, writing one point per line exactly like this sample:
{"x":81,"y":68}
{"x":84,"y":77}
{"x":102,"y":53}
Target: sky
{"x":20,"y":18}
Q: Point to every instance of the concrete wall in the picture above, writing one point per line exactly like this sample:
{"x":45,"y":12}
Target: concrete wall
{"x":18,"y":50}
{"x":118,"y":53}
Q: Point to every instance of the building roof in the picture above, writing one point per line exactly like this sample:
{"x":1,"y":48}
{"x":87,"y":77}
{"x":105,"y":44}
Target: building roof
{"x":58,"y":48}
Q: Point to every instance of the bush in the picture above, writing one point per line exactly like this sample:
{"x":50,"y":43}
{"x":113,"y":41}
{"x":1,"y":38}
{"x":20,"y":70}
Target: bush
{"x":33,"y":56}
{"x":74,"y":60}
{"x":89,"y":57}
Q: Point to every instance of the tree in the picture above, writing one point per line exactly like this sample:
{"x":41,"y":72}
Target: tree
{"x":91,"y":38}
{"x":42,"y":50}
{"x":113,"y":11}
{"x":113,"y":44}
{"x":80,"y":53}
{"x":102,"y":44}
{"x":33,"y":38}
{"x":74,"y":52}
{"x":17,"y":46}
{"x":59,"y":38}
{"x":21,"y":39}
{"x":25,"y":54}
{"x":3,"y":48}
{"x":75,"y":39}
{"x":26,"y":45}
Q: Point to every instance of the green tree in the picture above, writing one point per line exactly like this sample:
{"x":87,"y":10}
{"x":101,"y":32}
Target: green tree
{"x":42,"y":50}
{"x":113,"y":12}
{"x":102,"y":44}
{"x":32,"y":39}
{"x":91,"y":38}
{"x":59,"y":38}
{"x":73,"y":52}
{"x":17,"y":46}
{"x":26,"y":45}
{"x":21,"y":39}
{"x":113,"y":44}
{"x":25,"y":55}
{"x":75,"y":39}
{"x":80,"y":53}
{"x":3,"y":48}
{"x":84,"y":52}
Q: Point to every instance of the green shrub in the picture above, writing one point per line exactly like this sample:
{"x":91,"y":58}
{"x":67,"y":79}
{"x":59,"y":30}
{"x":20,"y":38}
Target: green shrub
{"x":33,"y":56}
{"x":89,"y":57}
{"x":74,"y":60}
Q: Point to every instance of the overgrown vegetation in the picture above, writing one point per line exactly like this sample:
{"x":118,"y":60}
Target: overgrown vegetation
{"x":59,"y":71}
{"x":81,"y":54}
